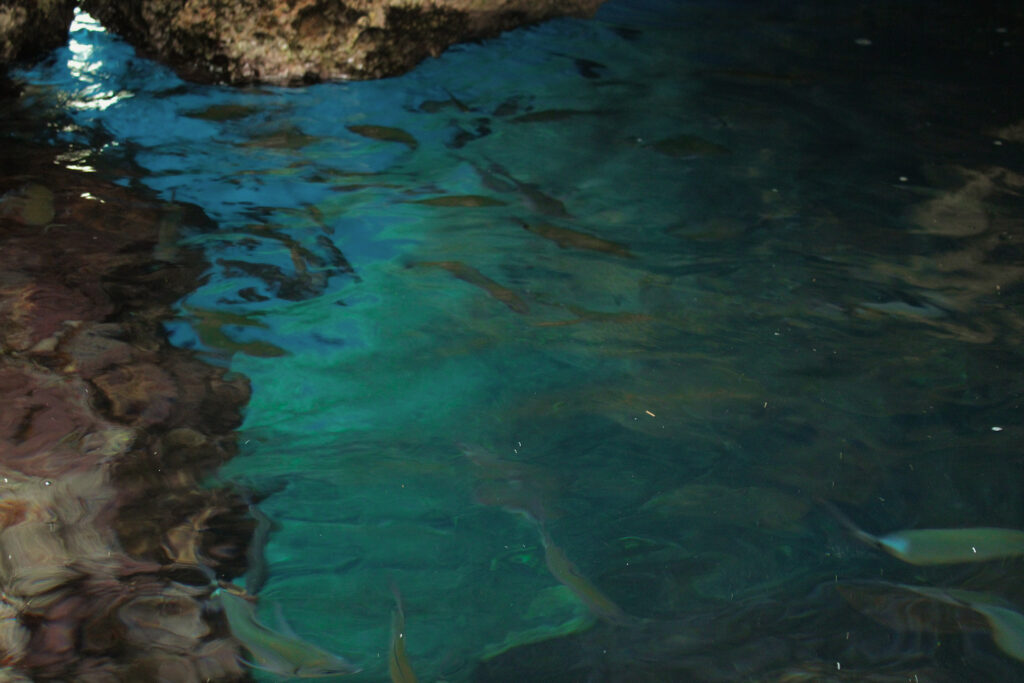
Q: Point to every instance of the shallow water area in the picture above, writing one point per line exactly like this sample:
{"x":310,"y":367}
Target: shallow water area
{"x":638,"y":294}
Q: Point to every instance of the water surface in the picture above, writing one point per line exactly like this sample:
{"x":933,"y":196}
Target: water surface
{"x":684,"y":270}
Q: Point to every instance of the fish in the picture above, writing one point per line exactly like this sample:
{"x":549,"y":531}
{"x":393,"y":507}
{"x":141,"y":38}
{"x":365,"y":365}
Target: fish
{"x":900,"y":609}
{"x":588,"y":68}
{"x":209,"y":327}
{"x":462,"y":200}
{"x":385,"y":134}
{"x":462,"y":137}
{"x":517,"y":487}
{"x":492,"y":182}
{"x":584,"y":315}
{"x":940,"y":546}
{"x":284,"y":655}
{"x":288,"y":138}
{"x":223,"y":112}
{"x":475,"y":277}
{"x":490,"y":466}
{"x":434,"y":106}
{"x":514,"y":496}
{"x":507,"y":108}
{"x":256,"y":563}
{"x":1007,"y":628}
{"x":398,"y":661}
{"x":1004,"y":621}
{"x":563,"y":569}
{"x":532,"y":195}
{"x":566,"y":238}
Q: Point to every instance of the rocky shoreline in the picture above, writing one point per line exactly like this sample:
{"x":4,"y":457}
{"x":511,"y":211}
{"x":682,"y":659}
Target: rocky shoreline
{"x":105,"y":433}
{"x":280,"y":43}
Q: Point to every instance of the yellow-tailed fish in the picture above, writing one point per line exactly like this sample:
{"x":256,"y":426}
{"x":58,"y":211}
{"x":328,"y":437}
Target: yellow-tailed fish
{"x":942,"y":546}
{"x":281,"y":654}
{"x":478,"y":279}
{"x":562,"y":568}
{"x":398,"y":661}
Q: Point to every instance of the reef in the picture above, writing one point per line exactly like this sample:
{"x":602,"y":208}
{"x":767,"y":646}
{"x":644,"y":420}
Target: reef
{"x":107,"y":537}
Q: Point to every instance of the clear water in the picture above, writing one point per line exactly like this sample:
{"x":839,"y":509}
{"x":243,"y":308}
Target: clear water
{"x":821,"y":299}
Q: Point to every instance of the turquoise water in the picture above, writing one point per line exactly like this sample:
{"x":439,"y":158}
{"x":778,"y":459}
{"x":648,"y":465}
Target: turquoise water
{"x":700,"y":266}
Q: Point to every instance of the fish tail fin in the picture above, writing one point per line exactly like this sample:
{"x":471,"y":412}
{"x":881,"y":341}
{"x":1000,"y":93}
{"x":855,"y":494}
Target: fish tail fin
{"x":399,"y":605}
{"x":849,"y":524}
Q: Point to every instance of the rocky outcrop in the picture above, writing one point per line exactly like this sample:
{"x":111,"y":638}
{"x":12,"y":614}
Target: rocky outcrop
{"x":306,"y":41}
{"x":106,"y":537}
{"x":28,"y":28}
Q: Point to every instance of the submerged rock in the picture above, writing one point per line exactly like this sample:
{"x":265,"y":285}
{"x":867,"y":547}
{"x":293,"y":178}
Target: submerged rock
{"x":291,"y":43}
{"x":105,"y":433}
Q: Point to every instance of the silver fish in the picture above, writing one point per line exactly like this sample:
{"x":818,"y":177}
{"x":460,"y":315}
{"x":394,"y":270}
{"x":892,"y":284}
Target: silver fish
{"x":284,"y":655}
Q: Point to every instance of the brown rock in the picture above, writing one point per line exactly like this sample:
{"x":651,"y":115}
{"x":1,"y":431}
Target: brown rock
{"x":304,"y":41}
{"x":48,"y":427}
{"x":92,"y":348}
{"x":29,"y":28}
{"x":105,"y":429}
{"x":140,"y":394}
{"x":38,"y":311}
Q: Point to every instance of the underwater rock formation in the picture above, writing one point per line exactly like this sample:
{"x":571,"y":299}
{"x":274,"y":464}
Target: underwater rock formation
{"x":106,"y":538}
{"x":28,"y":28}
{"x":305,"y":41}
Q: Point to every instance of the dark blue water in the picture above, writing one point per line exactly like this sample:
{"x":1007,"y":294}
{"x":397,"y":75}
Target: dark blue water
{"x":682,"y":272}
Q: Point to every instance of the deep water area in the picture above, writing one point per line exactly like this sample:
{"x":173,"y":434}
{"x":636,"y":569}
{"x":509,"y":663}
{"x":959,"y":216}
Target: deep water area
{"x":621,"y":349}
